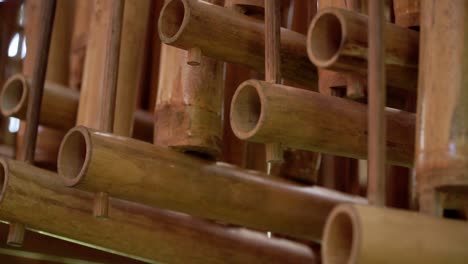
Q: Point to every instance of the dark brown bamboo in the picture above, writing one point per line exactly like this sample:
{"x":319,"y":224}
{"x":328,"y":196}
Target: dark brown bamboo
{"x":262,"y":112}
{"x":167,"y":179}
{"x":36,"y":196}
{"x":232,"y":37}
{"x":338,"y":40}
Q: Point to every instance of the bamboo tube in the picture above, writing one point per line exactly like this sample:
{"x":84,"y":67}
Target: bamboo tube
{"x":59,"y":103}
{"x":337,"y":40}
{"x":59,"y":106}
{"x":35,"y":196}
{"x":366,"y":234}
{"x":232,"y":37}
{"x":407,"y":12}
{"x":441,"y":151}
{"x":261,"y":112}
{"x":225,"y":192}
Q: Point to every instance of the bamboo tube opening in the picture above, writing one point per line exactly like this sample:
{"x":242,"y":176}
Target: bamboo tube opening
{"x":74,"y":155}
{"x":172,"y":19}
{"x":246,"y":110}
{"x":325,"y":38}
{"x":13,"y":95}
{"x":341,"y":239}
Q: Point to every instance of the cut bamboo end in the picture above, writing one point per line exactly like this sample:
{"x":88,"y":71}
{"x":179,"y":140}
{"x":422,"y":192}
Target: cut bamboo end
{"x":14,"y":95}
{"x":247,"y":109}
{"x":74,"y":155}
{"x":342,"y":235}
{"x":173,"y":18}
{"x":326,"y":36}
{"x":16,"y":234}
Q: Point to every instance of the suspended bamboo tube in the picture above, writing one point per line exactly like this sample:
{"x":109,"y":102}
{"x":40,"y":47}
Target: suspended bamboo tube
{"x":441,"y":156}
{"x":407,"y":12}
{"x":337,"y":40}
{"x":134,"y":27}
{"x":167,"y":179}
{"x":59,"y":106}
{"x":366,"y":234}
{"x":36,"y":196}
{"x":261,"y":112}
{"x":238,"y":38}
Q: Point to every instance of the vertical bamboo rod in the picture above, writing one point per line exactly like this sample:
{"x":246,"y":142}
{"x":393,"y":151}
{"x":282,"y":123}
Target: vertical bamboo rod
{"x":274,"y":151}
{"x":376,"y":116}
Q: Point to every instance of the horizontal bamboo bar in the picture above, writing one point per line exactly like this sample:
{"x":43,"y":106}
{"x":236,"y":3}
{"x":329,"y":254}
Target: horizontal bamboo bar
{"x":263,"y":112}
{"x":365,"y":235}
{"x":163,"y":178}
{"x":36,"y":196}
{"x":338,"y":40}
{"x":59,"y":106}
{"x":227,"y":35}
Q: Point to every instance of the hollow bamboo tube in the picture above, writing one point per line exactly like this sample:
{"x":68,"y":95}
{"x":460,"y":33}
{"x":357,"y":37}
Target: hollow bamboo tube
{"x":441,"y":151}
{"x":59,"y":106}
{"x":406,"y":12}
{"x":261,"y":112}
{"x":225,"y":192}
{"x":366,"y":234}
{"x":337,"y":40}
{"x":232,"y":37}
{"x":35,"y":196}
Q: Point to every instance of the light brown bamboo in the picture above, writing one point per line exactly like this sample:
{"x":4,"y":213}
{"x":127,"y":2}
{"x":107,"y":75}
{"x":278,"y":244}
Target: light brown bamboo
{"x":337,"y":40}
{"x":407,"y":12}
{"x":441,"y":151}
{"x":366,"y":234}
{"x":59,"y":106}
{"x":36,"y":196}
{"x":232,"y":37}
{"x":263,"y":112}
{"x":100,"y":69}
{"x":167,"y":179}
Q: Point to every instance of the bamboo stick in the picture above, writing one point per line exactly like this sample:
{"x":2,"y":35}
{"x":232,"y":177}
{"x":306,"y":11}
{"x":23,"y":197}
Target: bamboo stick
{"x":376,"y":146}
{"x":35,"y":196}
{"x":366,"y":234}
{"x":232,"y":37}
{"x":337,"y":40}
{"x":225,"y":192}
{"x":261,"y":112}
{"x":441,"y":159}
{"x":59,"y":106}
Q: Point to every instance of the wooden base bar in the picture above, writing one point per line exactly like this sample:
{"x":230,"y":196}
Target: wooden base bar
{"x":263,"y":112}
{"x":163,"y":178}
{"x":36,"y":196}
{"x":59,"y":106}
{"x":366,"y":234}
{"x":227,"y":35}
{"x":338,"y":40}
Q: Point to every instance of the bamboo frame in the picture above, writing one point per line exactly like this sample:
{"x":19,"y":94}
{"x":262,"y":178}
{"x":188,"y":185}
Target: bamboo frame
{"x":232,"y":37}
{"x":261,"y":112}
{"x":59,"y":106}
{"x":441,"y":159}
{"x":230,"y":193}
{"x":366,"y":234}
{"x":35,"y":196}
{"x":337,"y":40}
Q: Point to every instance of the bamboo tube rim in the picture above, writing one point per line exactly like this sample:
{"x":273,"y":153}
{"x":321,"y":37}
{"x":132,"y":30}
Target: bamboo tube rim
{"x":4,"y":177}
{"x":74,"y":155}
{"x":14,"y":95}
{"x":173,"y":18}
{"x":326,"y":37}
{"x":342,"y":236}
{"x":247,"y":109}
